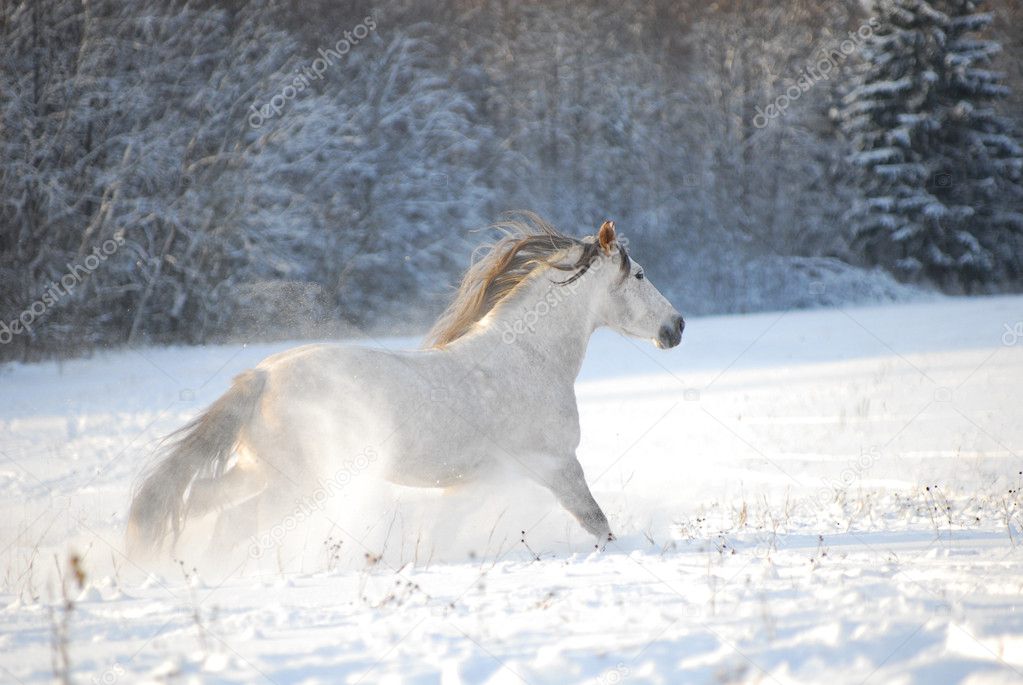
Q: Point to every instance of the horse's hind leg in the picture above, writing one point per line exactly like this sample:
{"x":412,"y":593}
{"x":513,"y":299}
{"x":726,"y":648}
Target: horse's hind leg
{"x":243,"y":481}
{"x":282,"y":451}
{"x":258,"y":521}
{"x":234,"y":495}
{"x":228,"y":491}
{"x":234,"y":526}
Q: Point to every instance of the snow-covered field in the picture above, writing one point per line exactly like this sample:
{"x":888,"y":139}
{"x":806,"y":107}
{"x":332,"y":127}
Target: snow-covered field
{"x":809,"y":497}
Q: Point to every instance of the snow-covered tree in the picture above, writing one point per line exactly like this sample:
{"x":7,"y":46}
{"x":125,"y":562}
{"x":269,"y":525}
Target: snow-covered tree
{"x":129,"y":121}
{"x":939,"y":169}
{"x":412,"y":148}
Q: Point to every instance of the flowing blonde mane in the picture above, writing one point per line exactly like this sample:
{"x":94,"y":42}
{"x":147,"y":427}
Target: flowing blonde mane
{"x":528,"y":244}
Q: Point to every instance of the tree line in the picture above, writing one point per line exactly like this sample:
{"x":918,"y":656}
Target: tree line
{"x":277,"y":170}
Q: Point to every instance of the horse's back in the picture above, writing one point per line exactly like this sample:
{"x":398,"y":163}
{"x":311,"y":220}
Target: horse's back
{"x":422,"y":412}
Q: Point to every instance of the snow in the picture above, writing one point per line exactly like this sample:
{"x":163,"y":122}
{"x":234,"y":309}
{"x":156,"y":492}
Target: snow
{"x":877,"y":156}
{"x":800,"y":497}
{"x":887,"y":88}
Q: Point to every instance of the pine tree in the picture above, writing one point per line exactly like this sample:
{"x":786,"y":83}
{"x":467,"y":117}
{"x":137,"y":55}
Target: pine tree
{"x":939,"y":169}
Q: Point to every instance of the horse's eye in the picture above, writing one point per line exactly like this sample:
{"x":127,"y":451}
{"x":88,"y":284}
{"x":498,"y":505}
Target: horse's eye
{"x":639,"y":275}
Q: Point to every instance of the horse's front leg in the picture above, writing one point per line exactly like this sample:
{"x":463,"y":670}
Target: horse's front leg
{"x":566,"y":480}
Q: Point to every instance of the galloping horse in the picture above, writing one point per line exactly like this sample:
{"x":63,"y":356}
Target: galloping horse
{"x":495,"y":389}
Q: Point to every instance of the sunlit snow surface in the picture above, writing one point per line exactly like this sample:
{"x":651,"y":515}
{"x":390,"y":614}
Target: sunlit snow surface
{"x":810,"y":497}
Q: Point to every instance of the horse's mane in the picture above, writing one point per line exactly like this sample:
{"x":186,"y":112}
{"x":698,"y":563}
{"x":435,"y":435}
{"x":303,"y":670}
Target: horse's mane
{"x":527,"y":245}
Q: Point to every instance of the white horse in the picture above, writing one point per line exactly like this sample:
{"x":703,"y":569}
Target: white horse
{"x":495,"y":390}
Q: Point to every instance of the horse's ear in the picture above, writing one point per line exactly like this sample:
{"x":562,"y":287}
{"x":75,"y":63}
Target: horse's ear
{"x":606,"y":236}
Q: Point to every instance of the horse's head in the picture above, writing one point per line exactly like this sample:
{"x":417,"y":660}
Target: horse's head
{"x":504,"y":283}
{"x":632,"y":305}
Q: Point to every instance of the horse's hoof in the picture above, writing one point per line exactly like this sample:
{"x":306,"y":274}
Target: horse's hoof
{"x":602,"y":544}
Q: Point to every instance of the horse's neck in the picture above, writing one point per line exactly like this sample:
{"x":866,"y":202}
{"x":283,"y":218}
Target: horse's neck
{"x":545,"y":328}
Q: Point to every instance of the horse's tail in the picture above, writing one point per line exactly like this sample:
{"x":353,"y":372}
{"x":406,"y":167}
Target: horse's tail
{"x":199,"y":451}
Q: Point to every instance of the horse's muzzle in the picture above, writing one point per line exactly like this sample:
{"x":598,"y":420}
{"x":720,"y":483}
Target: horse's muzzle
{"x":670,"y":335}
